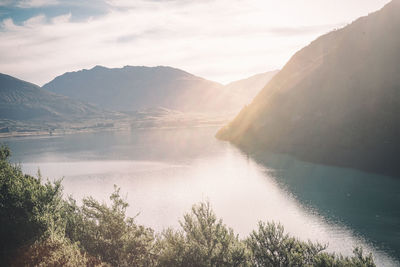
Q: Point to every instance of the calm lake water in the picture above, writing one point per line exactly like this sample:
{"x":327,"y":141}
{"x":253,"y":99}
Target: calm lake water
{"x":162,"y":172}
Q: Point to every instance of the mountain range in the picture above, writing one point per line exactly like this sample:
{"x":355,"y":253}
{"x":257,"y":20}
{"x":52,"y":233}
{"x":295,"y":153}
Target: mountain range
{"x":337,"y":100}
{"x":136,"y":96}
{"x":133,"y":88}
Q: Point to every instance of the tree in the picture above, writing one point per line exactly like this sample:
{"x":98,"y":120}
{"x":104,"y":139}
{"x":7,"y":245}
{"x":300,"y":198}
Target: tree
{"x":333,"y":260}
{"x":28,"y":208}
{"x":106,"y":233}
{"x":269,"y":246}
{"x":54,"y":251}
{"x":204,"y":241}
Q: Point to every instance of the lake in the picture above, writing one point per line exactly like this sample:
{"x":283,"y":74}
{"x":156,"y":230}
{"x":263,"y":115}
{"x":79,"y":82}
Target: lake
{"x":163,"y":172}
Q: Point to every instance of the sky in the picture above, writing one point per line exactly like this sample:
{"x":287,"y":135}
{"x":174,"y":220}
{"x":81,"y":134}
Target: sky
{"x":220,"y":40}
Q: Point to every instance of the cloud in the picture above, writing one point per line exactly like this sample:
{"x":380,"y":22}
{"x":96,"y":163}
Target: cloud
{"x":22,"y":10}
{"x":6,"y":2}
{"x":222,"y":40}
{"x":36,"y":3}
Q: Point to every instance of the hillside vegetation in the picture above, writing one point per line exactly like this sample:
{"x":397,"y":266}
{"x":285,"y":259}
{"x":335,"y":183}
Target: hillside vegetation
{"x":337,"y":101}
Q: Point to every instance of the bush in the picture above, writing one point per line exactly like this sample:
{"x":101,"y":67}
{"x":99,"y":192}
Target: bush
{"x":27,"y":207}
{"x":53,"y":251}
{"x":358,"y":260}
{"x":203,"y":241}
{"x":106,"y":233}
{"x":269,"y":246}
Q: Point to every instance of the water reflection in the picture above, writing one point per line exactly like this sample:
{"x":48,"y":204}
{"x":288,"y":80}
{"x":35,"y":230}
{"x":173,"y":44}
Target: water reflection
{"x":367,"y":203}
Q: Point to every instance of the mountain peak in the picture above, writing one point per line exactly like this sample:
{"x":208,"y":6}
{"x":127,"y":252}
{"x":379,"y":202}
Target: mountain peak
{"x":133,"y":88}
{"x":99,"y":67}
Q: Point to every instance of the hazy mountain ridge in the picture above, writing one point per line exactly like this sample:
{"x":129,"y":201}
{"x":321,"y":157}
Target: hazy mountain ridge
{"x":246,"y":89}
{"x":134,"y":88}
{"x":336,"y":101}
{"x":28,"y":109}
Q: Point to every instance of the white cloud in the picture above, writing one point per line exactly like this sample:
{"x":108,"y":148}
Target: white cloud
{"x":222,"y":40}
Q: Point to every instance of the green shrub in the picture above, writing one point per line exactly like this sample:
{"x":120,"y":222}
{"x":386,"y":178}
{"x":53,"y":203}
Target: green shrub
{"x":106,"y":233}
{"x":203,"y":241}
{"x":28,"y":208}
{"x":270,"y":246}
{"x":53,"y":251}
{"x":334,"y":260}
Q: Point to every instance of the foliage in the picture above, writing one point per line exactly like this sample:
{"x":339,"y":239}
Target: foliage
{"x":358,"y":260}
{"x":54,"y":251}
{"x":269,"y":246}
{"x":203,"y":241}
{"x":28,"y":208}
{"x":105,"y":232}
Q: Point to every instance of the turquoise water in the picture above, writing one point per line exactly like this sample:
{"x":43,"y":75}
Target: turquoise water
{"x":162,"y":172}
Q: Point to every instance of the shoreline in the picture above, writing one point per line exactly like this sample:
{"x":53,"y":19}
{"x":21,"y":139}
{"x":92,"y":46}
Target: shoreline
{"x":111,"y":129}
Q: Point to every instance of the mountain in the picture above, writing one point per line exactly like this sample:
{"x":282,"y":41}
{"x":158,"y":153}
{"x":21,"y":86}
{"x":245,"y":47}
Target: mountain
{"x":24,"y":101}
{"x":137,"y":88}
{"x":134,"y":88}
{"x":245,"y":90}
{"x":337,"y":101}
{"x":143,"y":93}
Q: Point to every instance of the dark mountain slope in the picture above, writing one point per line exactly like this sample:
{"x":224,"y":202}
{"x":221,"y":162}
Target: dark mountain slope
{"x":23,"y":101}
{"x":337,"y":101}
